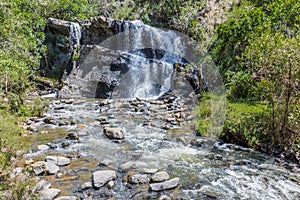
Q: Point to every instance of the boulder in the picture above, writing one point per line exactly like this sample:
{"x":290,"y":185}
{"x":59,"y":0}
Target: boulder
{"x":138,"y":178}
{"x":164,"y":197}
{"x":49,"y":194}
{"x":160,"y":176}
{"x":172,"y":183}
{"x":41,"y":185}
{"x":114,"y":133}
{"x":67,"y":198}
{"x":41,"y":167}
{"x":72,"y":136}
{"x":86,"y":185}
{"x":100,"y":178}
{"x":58,"y":160}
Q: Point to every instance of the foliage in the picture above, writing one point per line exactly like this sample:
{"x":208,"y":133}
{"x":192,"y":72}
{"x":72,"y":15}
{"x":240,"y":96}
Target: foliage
{"x":258,"y":51}
{"x":10,"y":140}
{"x":179,"y":15}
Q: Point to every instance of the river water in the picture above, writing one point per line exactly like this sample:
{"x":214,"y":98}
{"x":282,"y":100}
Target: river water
{"x":158,"y":135}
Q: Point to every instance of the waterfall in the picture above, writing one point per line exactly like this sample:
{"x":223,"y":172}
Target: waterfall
{"x":74,"y":36}
{"x":150,"y":71}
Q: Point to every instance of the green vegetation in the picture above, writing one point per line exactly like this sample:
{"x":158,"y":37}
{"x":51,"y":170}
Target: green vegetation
{"x":180,"y":15}
{"x":258,"y":51}
{"x":22,"y":23}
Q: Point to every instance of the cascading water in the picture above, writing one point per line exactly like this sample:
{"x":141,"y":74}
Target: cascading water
{"x":149,"y":75}
{"x":75,"y":35}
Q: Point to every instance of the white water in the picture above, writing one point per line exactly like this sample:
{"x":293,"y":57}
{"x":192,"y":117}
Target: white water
{"x":75,"y":36}
{"x":148,"y":77}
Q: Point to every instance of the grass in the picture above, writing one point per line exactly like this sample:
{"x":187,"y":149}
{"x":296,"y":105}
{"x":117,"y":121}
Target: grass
{"x":241,"y":125}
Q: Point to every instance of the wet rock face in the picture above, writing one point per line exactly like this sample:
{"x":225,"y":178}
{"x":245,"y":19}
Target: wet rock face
{"x":100,"y":68}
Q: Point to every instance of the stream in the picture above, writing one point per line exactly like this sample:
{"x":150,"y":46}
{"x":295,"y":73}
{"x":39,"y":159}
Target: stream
{"x":159,"y":136}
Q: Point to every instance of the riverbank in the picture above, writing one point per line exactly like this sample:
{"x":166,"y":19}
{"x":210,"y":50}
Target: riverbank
{"x":71,"y":144}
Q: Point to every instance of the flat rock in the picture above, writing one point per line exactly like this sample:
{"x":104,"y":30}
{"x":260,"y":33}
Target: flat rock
{"x":127,"y":166}
{"x":172,"y":183}
{"x":82,"y":133}
{"x":100,"y":178}
{"x":41,"y":185}
{"x":114,"y":133}
{"x":164,"y":197}
{"x":139,"y":178}
{"x":66,"y":198}
{"x":105,"y":162}
{"x":147,"y":170}
{"x":49,"y":194}
{"x":58,"y":160}
{"x":86,"y":185}
{"x":160,"y":177}
{"x":41,"y":167}
{"x":51,"y":168}
{"x":43,"y":147}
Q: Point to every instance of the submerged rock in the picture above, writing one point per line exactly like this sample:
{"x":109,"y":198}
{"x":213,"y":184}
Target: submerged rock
{"x":127,"y":166}
{"x":172,"y":183}
{"x":100,"y":178}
